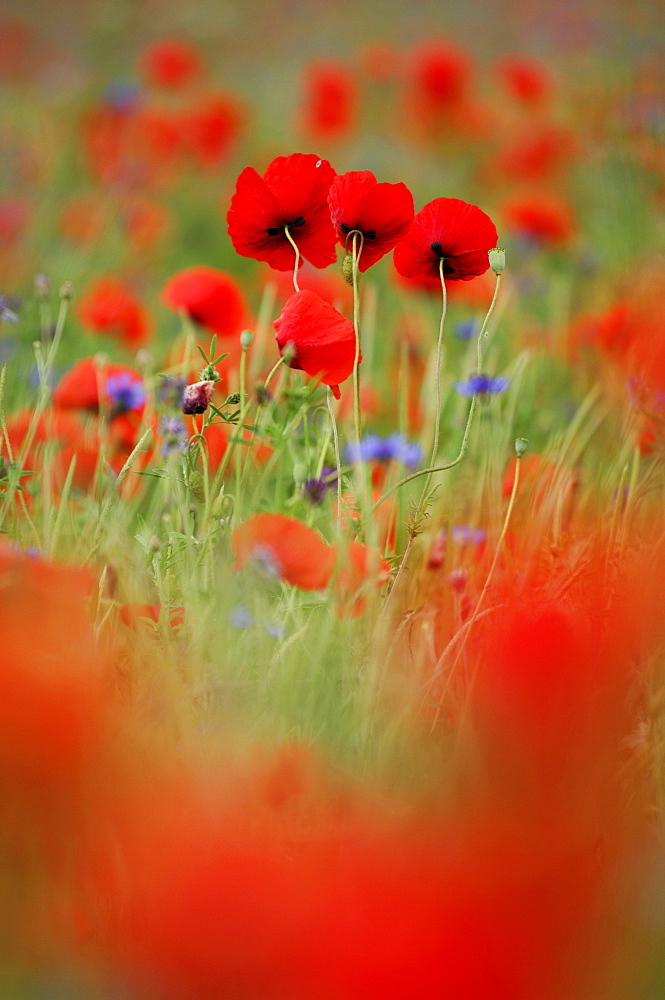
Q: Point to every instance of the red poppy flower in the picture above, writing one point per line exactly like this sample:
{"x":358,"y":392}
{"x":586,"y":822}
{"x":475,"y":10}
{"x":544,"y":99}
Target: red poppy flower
{"x":210,"y":297}
{"x":293,"y":192}
{"x":323,"y":340}
{"x":284,"y":548}
{"x":331,"y":99}
{"x":171,"y":63}
{"x":450,"y":230}
{"x":110,"y":307}
{"x":381,"y":212}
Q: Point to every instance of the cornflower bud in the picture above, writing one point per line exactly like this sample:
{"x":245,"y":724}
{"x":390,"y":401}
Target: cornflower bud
{"x":196,"y":397}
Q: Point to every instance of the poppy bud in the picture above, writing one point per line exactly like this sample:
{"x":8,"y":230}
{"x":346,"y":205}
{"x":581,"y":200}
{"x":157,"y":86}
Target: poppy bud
{"x":246,"y":338}
{"x":196,"y":486}
{"x":497,"y":258}
{"x":67,"y":292}
{"x":347,"y":268}
{"x":195,"y":397}
{"x":521,"y":445}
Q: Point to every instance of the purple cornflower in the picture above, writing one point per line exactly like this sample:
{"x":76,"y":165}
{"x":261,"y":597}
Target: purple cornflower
{"x":482,"y":385}
{"x":170,"y":390}
{"x":126,"y":392}
{"x":393,"y":448}
{"x":315,"y":489}
{"x":175,"y":436}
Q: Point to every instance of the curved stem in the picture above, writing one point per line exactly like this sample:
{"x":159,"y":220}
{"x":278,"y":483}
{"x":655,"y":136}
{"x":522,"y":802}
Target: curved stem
{"x":297,"y":252}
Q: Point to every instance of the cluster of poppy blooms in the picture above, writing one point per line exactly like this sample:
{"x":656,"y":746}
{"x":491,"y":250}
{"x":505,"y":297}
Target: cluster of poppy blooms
{"x":301,"y":209}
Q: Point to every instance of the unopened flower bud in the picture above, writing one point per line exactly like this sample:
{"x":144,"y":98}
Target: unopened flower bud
{"x":299,"y":473}
{"x":521,"y":445}
{"x":347,"y":268}
{"x":197,"y":486}
{"x":246,"y":338}
{"x":497,"y":257}
{"x":67,"y":292}
{"x":233,"y":399}
{"x":196,"y":397}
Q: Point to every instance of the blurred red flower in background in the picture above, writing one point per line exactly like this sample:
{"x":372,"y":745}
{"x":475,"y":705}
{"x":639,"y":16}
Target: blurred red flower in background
{"x":171,"y":63}
{"x":450,"y":230}
{"x":525,"y":79}
{"x":293,"y":192}
{"x":438,"y":77}
{"x":540,"y":217}
{"x":109,"y":307}
{"x":381,"y":212}
{"x":211,"y":128}
{"x":323,"y":340}
{"x":330,"y":101}
{"x":82,"y":387}
{"x":210,"y":297}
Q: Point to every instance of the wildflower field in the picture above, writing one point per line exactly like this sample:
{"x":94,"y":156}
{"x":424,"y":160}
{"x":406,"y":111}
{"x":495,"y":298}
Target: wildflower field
{"x":332,"y":501}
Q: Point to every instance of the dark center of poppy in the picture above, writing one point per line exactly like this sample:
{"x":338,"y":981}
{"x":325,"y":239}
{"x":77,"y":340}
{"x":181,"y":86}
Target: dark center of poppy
{"x":438,"y":250}
{"x":276,"y":230}
{"x":368,"y":234}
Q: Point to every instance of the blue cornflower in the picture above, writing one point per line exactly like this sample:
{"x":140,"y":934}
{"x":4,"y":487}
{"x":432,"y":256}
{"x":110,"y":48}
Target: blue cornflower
{"x":122,"y":95}
{"x":241,"y":617}
{"x":125,"y":391}
{"x":7,"y":315}
{"x":393,"y":448}
{"x":482,"y":385}
{"x":464,"y":534}
{"x":466,"y":329}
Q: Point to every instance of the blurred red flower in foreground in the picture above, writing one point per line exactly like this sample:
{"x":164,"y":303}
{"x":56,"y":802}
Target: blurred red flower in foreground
{"x":209,"y":297}
{"x":51,"y":710}
{"x":171,"y":63}
{"x":323,"y":340}
{"x":292,"y":193}
{"x":331,"y":99}
{"x":381,"y":212}
{"x":450,"y":230}
{"x":110,"y":307}
{"x":285,"y":549}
